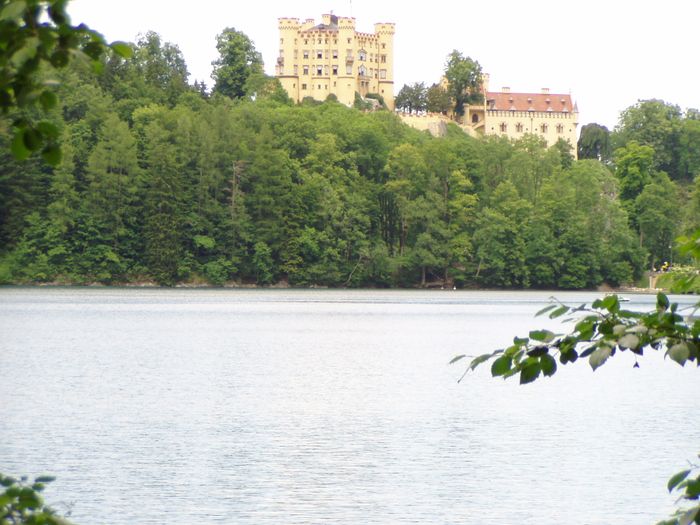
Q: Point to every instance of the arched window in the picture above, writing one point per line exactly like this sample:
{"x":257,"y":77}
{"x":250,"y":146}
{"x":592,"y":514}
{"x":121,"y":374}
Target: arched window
{"x":362,"y":70}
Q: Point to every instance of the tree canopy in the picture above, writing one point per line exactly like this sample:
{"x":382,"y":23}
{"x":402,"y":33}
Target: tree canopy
{"x":464,"y":81}
{"x":237,"y":65}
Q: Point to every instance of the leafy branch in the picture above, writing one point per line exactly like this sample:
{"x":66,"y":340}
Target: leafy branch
{"x":600,"y":331}
{"x":36,"y":34}
{"x":21,"y":502}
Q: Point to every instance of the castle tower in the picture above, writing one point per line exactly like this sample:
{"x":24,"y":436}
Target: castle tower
{"x":332,"y":58}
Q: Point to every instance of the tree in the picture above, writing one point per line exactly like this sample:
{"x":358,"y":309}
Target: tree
{"x":411,"y":98}
{"x":463,"y":80}
{"x":656,"y":124}
{"x":657,"y":216}
{"x":594,"y":143}
{"x":237,"y":64}
{"x":634,"y":169}
{"x":38,"y":34}
{"x":437,"y":99}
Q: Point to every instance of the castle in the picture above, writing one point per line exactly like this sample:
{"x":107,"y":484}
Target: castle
{"x":332,"y":58}
{"x":548,"y":115}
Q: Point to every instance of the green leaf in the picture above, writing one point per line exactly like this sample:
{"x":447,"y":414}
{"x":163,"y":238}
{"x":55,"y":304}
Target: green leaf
{"x":32,"y":139}
{"x":48,"y":100}
{"x":662,"y":302}
{"x":689,"y":516}
{"x":679,"y":353}
{"x":122,"y":49}
{"x":480,"y":359}
{"x":692,"y":488}
{"x":48,"y":129}
{"x":611,"y":303}
{"x":599,"y":356}
{"x":18,"y":148}
{"x":52,"y":154}
{"x":93,"y":49}
{"x":457,"y":358}
{"x":546,"y":309}
{"x":530,"y":372}
{"x":628,"y":341}
{"x":677,"y":478}
{"x":25,"y":53}
{"x":559,"y":312}
{"x":13,"y":10}
{"x":538,"y":351}
{"x":501,"y":365}
{"x":542,"y":335}
{"x":548,"y":365}
{"x":57,"y":12}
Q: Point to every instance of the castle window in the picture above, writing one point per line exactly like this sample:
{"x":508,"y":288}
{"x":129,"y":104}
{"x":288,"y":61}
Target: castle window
{"x":383,"y":59}
{"x":319,"y":86}
{"x":475,"y":118}
{"x":560,"y":128}
{"x":362,"y":70}
{"x":382,"y":73}
{"x":319,"y":70}
{"x":319,"y":54}
{"x":349,"y":40}
{"x":543,"y":128}
{"x":296,"y":69}
{"x":362,"y":55}
{"x":306,"y":53}
{"x":335,"y":53}
{"x":325,"y":70}
{"x":519,"y":127}
{"x":335,"y":40}
{"x":281,"y":40}
{"x":383,"y":45}
{"x":319,"y":41}
{"x":335,"y":70}
{"x":306,"y":70}
{"x":303,"y":87}
{"x":504,"y":127}
{"x":348,"y":69}
{"x":306,"y":41}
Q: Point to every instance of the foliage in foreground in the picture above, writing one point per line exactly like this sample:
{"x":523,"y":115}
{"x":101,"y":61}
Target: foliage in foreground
{"x":601,"y":331}
{"x":21,"y":502}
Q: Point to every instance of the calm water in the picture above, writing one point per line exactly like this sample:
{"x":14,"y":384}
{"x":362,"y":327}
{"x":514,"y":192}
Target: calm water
{"x":267,"y":407}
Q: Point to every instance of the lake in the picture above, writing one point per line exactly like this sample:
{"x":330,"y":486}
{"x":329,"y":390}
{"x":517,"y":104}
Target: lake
{"x":188,"y":406}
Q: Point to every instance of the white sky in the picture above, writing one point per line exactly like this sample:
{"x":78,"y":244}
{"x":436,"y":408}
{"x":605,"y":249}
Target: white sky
{"x":607,"y":53}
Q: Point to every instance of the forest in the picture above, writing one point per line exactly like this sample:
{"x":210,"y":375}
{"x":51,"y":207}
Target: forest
{"x":166,"y":182}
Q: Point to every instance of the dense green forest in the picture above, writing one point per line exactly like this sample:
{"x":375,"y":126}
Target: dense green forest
{"x":164,"y":181}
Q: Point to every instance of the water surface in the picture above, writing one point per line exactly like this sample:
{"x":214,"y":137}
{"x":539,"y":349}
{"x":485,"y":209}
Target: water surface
{"x":266,"y":407}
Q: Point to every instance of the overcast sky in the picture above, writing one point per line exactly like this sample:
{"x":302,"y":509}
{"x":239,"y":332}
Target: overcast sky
{"x":607,"y":53}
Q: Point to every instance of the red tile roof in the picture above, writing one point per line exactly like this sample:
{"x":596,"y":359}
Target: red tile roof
{"x":547,"y":102}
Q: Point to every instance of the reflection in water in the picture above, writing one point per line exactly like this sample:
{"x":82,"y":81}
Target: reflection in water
{"x":239,"y":406}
